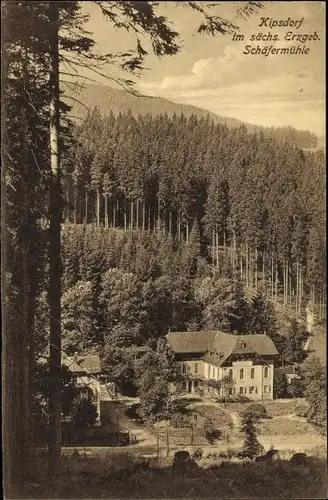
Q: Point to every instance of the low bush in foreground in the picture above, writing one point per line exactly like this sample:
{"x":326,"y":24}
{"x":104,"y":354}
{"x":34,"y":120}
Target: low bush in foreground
{"x":125,"y":476}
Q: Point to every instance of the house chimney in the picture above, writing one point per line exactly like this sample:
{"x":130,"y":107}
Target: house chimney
{"x":75,"y":357}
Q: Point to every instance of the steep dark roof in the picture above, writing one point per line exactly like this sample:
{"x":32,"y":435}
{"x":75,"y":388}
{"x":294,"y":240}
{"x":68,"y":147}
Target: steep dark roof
{"x":82,"y":364}
{"x":188,"y":342}
{"x":221,"y":348}
{"x":260,"y":344}
{"x":218,"y":346}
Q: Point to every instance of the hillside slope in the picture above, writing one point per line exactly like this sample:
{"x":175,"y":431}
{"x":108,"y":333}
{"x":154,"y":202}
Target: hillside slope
{"x":108,"y":99}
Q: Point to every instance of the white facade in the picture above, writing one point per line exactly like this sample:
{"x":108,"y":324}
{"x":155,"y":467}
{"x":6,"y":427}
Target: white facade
{"x":250,"y":380}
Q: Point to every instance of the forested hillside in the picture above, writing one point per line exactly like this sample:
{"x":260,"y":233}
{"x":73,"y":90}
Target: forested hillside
{"x":110,"y":100}
{"x":255,"y":206}
{"x":124,"y":288}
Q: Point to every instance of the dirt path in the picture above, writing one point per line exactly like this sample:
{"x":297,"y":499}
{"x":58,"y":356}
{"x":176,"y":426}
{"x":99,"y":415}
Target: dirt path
{"x":114,"y":415}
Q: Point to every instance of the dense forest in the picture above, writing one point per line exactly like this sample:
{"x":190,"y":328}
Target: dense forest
{"x":129,"y":288}
{"x":112,"y":100}
{"x":165,"y":221}
{"x":255,"y":202}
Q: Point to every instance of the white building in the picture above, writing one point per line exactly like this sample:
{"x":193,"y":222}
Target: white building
{"x":239,"y":364}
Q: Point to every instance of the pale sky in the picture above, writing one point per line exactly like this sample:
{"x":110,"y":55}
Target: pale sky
{"x":214,"y":74}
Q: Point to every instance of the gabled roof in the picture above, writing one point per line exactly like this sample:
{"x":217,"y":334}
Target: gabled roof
{"x":218,"y":346}
{"x":260,"y":344}
{"x":222,"y":347}
{"x":190,"y":342}
{"x":82,"y":364}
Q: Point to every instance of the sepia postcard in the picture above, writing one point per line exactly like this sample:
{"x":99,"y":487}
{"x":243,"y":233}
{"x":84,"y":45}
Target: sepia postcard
{"x":163,"y":249}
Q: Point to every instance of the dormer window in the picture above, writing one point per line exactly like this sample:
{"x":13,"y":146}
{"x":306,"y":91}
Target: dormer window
{"x":243,"y":344}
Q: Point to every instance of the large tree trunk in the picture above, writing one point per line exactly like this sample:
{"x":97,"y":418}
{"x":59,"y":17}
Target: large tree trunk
{"x":23,"y":242}
{"x":55,"y":210}
{"x":8,"y":358}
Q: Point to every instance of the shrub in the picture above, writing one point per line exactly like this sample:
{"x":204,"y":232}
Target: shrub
{"x":197,"y":454}
{"x":212,"y":434}
{"x":132,"y":412}
{"x":301,"y":410}
{"x":257,"y":409}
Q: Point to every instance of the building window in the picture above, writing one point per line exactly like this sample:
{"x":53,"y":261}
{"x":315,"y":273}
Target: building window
{"x":209,"y":372}
{"x":266,"y":372}
{"x":230,"y":375}
{"x":213,"y":372}
{"x":195,"y":384}
{"x":255,"y":390}
{"x":252,"y":372}
{"x":241,"y":390}
{"x":184,"y":385}
{"x":241,"y":374}
{"x":195,"y":416}
{"x":252,"y":389}
{"x":196,"y":368}
{"x":184,"y":368}
{"x":265,"y":388}
{"x":230,"y":391}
